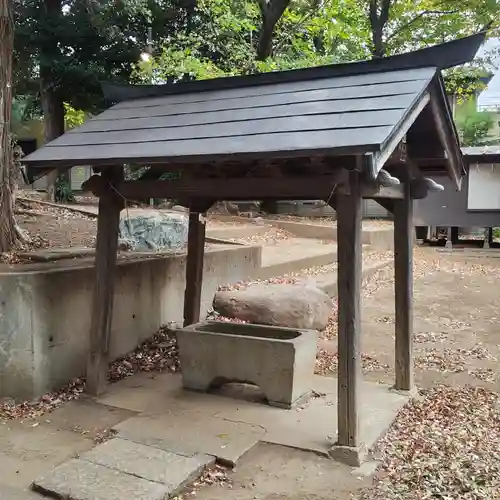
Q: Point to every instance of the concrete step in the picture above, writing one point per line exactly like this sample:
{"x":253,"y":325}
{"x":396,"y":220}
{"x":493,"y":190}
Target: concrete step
{"x":328,"y":281}
{"x":294,"y":255}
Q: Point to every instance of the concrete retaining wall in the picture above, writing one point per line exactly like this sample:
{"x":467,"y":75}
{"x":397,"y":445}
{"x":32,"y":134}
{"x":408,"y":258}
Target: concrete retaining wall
{"x":45,"y":313}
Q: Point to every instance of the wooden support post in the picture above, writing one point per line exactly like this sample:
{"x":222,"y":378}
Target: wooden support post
{"x":349,"y":238}
{"x":194,"y":266}
{"x":403,"y":271}
{"x":110,"y":205}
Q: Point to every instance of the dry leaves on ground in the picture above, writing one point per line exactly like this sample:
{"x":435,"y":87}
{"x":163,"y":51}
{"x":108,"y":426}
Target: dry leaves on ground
{"x":423,"y":337}
{"x":242,"y":285}
{"x":452,"y":360}
{"x":445,"y":445}
{"x":218,"y":475}
{"x":10,"y":410}
{"x":271,"y":236}
{"x":327,"y":363}
{"x":157,"y":354}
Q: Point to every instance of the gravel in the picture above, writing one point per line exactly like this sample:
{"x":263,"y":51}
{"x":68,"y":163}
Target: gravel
{"x":444,"y":445}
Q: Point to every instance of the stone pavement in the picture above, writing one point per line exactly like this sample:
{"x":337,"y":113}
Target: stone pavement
{"x":122,"y":470}
{"x":163,"y":437}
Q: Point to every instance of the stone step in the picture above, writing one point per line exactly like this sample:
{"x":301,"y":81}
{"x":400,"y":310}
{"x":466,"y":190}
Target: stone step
{"x":123,"y":469}
{"x":328,"y":281}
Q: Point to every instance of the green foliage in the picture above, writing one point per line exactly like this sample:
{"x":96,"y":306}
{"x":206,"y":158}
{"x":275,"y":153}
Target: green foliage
{"x":466,"y":82}
{"x":73,"y":117}
{"x":63,"y":192}
{"x":81,"y":43}
{"x":24,"y":109}
{"x":84,"y":42}
{"x":222,"y":37}
{"x":473,"y":125}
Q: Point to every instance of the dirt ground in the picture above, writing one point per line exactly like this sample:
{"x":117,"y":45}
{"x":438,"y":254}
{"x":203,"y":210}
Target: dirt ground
{"x":456,"y":317}
{"x":457,"y":342}
{"x":270,"y":472}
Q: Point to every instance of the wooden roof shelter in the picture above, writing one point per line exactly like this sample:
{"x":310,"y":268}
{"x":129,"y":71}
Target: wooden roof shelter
{"x":339,"y":133}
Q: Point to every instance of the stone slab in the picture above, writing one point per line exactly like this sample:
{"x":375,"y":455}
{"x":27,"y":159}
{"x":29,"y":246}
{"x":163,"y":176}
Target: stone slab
{"x":193,"y":433}
{"x":8,"y":493}
{"x":313,"y":427}
{"x":82,"y":480}
{"x":31,"y":449}
{"x":86,"y":416}
{"x":153,"y":464}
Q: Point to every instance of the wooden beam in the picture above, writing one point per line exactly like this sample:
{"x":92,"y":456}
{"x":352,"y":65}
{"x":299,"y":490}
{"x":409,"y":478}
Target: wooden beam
{"x":399,"y":134}
{"x":403,"y":271}
{"x":194,"y":265}
{"x":349,"y":238}
{"x":110,"y":206}
{"x":306,"y":187}
{"x":387,"y":204}
{"x":384,"y":192}
{"x":447,"y":134}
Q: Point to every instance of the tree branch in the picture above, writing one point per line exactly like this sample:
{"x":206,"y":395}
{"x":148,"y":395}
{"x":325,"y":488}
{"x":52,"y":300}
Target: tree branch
{"x":301,"y":23}
{"x":420,"y":16}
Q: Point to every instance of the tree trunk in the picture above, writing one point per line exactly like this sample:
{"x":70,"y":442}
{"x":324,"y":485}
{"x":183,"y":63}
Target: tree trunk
{"x":379,"y":12}
{"x":271,"y":12}
{"x":8,"y":236}
{"x":52,"y":102}
{"x":53,"y":121}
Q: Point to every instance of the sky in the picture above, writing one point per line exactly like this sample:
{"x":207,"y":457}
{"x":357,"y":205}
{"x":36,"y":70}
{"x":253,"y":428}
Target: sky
{"x":491,"y":96}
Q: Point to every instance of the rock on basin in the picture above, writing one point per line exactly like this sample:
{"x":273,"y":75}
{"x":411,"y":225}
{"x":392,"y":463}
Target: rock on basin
{"x":289,"y":305}
{"x":148,"y":230}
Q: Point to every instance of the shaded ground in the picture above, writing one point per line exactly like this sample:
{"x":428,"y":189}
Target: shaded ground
{"x":434,"y":449}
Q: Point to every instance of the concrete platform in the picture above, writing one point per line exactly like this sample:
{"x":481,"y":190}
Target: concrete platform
{"x":226,"y":427}
{"x":193,"y":433}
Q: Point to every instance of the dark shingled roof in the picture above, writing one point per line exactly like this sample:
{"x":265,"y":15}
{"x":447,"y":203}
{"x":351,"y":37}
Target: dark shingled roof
{"x":352,"y":114}
{"x":356,"y":108}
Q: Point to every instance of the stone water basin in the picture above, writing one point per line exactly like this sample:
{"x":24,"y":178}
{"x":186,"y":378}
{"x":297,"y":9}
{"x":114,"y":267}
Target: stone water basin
{"x":279,"y":360}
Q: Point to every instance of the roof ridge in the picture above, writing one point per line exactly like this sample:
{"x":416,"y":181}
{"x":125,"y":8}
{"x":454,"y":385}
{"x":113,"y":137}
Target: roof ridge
{"x":442,"y":56}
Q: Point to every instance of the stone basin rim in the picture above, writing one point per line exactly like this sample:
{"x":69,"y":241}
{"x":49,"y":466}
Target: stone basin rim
{"x":241,"y":330}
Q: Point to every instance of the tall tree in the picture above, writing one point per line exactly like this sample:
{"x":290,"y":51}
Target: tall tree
{"x":8,"y":235}
{"x":63,"y":48}
{"x":401,"y":25}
